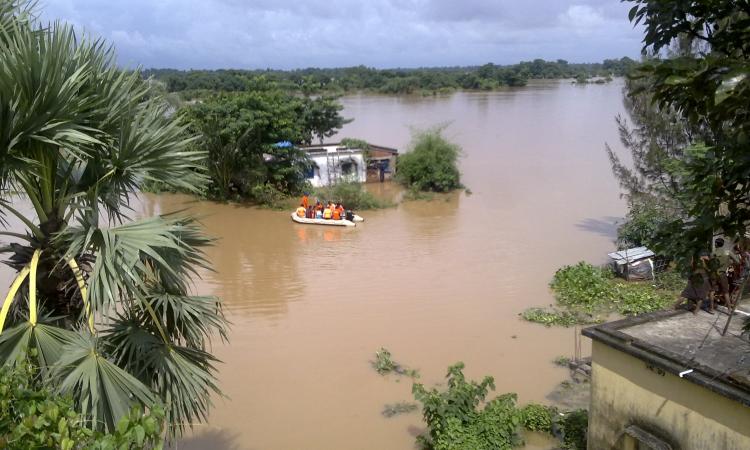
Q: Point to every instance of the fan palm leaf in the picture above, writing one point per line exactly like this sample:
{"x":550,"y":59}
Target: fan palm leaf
{"x":78,"y":137}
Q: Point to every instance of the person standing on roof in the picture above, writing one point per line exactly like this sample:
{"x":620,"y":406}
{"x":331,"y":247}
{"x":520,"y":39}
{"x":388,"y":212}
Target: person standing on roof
{"x":721,"y":259}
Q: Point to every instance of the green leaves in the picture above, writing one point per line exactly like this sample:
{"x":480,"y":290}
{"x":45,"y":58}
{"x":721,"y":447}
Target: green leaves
{"x":78,"y":137}
{"x":454,"y":422}
{"x":31,"y":416}
{"x":431,"y":164}
{"x":102,"y":391}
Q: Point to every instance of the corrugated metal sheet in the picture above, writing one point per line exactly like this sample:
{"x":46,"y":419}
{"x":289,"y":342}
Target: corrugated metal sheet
{"x":630,"y":255}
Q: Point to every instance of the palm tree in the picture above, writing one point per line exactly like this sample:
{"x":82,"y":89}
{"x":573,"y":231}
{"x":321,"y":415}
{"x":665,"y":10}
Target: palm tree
{"x":104,"y":303}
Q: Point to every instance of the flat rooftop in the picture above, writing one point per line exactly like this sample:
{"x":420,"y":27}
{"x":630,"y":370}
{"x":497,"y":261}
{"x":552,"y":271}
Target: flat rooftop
{"x":680,"y":342}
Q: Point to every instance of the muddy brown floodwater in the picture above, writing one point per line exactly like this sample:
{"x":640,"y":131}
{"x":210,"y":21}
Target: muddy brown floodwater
{"x":434,"y":282}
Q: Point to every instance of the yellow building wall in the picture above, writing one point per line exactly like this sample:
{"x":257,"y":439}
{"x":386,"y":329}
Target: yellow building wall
{"x":626,"y":391}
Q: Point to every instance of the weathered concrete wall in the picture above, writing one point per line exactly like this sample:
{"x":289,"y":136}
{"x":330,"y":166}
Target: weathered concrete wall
{"x":626,"y":391}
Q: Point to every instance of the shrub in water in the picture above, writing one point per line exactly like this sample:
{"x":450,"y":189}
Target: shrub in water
{"x":454,"y":421}
{"x":431,"y":164}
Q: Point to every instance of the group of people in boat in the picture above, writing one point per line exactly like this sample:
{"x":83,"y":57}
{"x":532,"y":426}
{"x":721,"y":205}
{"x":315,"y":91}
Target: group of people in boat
{"x":715,"y":278}
{"x":322,"y":210}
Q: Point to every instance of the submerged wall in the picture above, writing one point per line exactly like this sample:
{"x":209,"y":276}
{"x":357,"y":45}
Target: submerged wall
{"x":626,"y":391}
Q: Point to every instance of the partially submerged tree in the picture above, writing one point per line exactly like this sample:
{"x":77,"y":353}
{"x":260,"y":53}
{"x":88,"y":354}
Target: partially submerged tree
{"x":431,"y":164}
{"x":104,"y":302}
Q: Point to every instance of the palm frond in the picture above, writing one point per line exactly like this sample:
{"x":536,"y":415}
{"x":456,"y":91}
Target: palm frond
{"x":101,"y":390}
{"x":184,"y":378}
{"x":48,"y":340}
{"x":127,"y":257}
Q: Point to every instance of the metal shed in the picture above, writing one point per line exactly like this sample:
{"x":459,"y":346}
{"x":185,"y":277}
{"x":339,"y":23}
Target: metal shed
{"x":634,"y":263}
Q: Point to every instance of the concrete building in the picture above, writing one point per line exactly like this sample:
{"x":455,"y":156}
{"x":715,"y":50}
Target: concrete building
{"x":334,"y":162}
{"x":669,"y":381}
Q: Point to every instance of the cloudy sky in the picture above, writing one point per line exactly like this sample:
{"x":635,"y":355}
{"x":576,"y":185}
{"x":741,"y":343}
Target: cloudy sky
{"x":286,"y":34}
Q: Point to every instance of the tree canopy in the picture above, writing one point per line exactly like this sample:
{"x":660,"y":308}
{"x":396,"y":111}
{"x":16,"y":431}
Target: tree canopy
{"x":709,"y":89}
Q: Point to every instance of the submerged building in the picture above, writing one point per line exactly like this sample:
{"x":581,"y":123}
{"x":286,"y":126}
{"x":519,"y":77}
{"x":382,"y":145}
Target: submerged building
{"x":335,"y":162}
{"x":670,"y":380}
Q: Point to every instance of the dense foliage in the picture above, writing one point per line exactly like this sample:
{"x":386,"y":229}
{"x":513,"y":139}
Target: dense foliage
{"x":430,"y":163}
{"x":708,"y":88}
{"x":455,"y":422}
{"x":390,"y":81}
{"x":460,"y":417}
{"x":586,"y":294}
{"x":31,"y":416}
{"x":239,"y":132}
{"x":102,"y":301}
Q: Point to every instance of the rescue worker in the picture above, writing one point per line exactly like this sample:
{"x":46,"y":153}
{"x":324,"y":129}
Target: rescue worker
{"x":305,"y":200}
{"x":336,"y":213}
{"x":301,"y":211}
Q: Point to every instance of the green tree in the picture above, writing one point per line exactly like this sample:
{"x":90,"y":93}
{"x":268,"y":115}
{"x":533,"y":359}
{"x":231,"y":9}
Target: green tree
{"x":102,"y":301}
{"x":431,"y":164}
{"x":710,"y":90}
{"x":322,"y":117}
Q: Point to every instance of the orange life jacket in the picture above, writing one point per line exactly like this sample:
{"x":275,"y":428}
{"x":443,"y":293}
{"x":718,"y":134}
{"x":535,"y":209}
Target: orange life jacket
{"x":336,"y":214}
{"x":305,"y":201}
{"x":301,"y":211}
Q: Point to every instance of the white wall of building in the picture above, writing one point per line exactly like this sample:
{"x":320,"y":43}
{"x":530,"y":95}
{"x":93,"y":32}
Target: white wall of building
{"x":352,"y":159}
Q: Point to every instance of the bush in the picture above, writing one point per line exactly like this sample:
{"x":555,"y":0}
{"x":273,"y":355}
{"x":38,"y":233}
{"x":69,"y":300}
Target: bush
{"x":33,"y":417}
{"x":352,"y":195}
{"x":582,"y":285}
{"x":455,"y":423}
{"x":536,"y":417}
{"x":267,"y":195}
{"x":573,"y":427}
{"x":431,"y":164}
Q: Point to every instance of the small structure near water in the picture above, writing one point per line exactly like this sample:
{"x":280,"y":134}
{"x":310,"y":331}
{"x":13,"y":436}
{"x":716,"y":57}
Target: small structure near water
{"x":634,"y":264}
{"x":335,"y":162}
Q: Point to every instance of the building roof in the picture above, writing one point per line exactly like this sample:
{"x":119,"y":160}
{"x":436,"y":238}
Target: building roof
{"x":631,"y":254}
{"x":687,"y":345}
{"x":374,"y":147}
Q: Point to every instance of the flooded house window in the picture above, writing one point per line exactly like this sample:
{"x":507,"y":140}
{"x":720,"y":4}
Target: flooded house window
{"x":348,"y":168}
{"x":312,"y":171}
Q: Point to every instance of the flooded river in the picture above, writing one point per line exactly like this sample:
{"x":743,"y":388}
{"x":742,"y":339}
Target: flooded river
{"x":434,"y":282}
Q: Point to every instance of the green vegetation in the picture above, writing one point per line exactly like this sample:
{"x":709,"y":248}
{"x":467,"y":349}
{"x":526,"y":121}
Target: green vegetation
{"x":395,"y":409}
{"x":562,"y":361}
{"x":588,"y":294}
{"x":102,"y":301}
{"x":455,"y":420}
{"x":536,"y":417}
{"x":384,"y":364}
{"x":430,"y":164}
{"x":352,"y":195}
{"x":31,"y":416}
{"x":696,"y":121}
{"x":386,"y":81}
{"x":573,"y":427}
{"x":240,"y":131}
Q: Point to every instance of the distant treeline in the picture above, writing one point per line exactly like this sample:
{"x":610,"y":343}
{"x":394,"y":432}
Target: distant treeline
{"x":387,"y":81}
